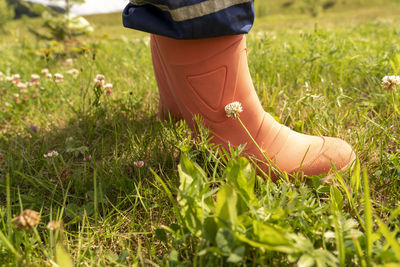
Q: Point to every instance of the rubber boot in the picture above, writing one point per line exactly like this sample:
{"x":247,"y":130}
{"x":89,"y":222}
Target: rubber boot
{"x":167,"y":107}
{"x":205,"y":75}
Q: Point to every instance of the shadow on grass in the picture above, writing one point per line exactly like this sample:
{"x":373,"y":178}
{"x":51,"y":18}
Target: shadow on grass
{"x":98,"y":167}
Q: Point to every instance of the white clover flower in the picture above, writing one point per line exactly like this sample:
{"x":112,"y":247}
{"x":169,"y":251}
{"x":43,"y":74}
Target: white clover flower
{"x":53,"y":225}
{"x":21,"y":85}
{"x":51,"y":154}
{"x":35,"y":77}
{"x":233,"y":109}
{"x":16,"y":79}
{"x":7,"y":104}
{"x":100,"y":80}
{"x":138,"y":164}
{"x":99,"y":83}
{"x":100,"y":77}
{"x":28,"y":219}
{"x":9,"y":78}
{"x":16,"y":95}
{"x":73,"y":72}
{"x":59,"y":77}
{"x":390,"y":82}
{"x":108,"y":86}
{"x":34,"y":80}
{"x":69,"y":61}
{"x":45,"y":71}
{"x":49,"y":75}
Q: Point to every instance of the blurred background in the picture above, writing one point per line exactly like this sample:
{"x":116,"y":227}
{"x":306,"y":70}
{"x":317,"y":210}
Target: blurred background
{"x":89,"y":6}
{"x":263,"y":7}
{"x":55,"y":15}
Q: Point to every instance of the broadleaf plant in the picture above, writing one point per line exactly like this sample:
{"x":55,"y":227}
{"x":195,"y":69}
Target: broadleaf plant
{"x":241,"y":218}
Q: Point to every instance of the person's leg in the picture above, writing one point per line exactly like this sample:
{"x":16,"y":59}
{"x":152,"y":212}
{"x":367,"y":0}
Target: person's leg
{"x":189,"y":19}
{"x":207,"y":74}
{"x":203,"y":74}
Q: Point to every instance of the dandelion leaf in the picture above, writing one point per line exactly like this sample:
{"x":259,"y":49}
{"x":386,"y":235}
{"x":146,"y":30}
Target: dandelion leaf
{"x":225,"y":207}
{"x":193,"y":197}
{"x":241,"y":175}
{"x":224,"y":240}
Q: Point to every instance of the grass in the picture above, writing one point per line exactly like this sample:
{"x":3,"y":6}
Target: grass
{"x":316,"y":75}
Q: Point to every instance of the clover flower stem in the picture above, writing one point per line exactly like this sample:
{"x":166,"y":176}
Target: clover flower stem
{"x":8,"y":204}
{"x":258,"y":147}
{"x":58,"y":177}
{"x":394,"y":103}
{"x":40,"y":242}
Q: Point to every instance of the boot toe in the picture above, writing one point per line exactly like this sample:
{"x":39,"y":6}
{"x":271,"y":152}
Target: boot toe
{"x":335,"y":152}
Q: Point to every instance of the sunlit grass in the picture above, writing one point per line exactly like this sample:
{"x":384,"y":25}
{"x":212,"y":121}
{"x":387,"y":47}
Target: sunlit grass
{"x":316,"y":75}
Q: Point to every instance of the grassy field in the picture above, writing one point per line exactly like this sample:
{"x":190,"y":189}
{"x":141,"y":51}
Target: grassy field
{"x":127,"y":189}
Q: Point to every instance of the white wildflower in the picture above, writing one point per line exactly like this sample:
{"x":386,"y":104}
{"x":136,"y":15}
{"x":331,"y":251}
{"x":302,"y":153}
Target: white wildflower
{"x":49,"y":75}
{"x":35,"y":77}
{"x":16,"y":79}
{"x":139,"y":164}
{"x":69,"y":61}
{"x":390,"y":82}
{"x":58,"y":77}
{"x":108,"y":86}
{"x":21,"y":85}
{"x":233,"y":109}
{"x":28,"y":219}
{"x":100,"y":77}
{"x":45,"y":71}
{"x":72,"y":72}
{"x":100,"y":80}
{"x":53,"y":225}
{"x":51,"y":154}
{"x":34,"y":80}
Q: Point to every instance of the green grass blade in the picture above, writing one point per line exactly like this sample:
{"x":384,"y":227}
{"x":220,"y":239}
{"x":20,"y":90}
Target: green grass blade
{"x":390,"y":238}
{"x":8,"y":204}
{"x":8,"y":244}
{"x":355,"y":178}
{"x":336,"y":205}
{"x":368,"y":218}
{"x":359,"y":251}
{"x":169,"y":194}
{"x":95,"y":203}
